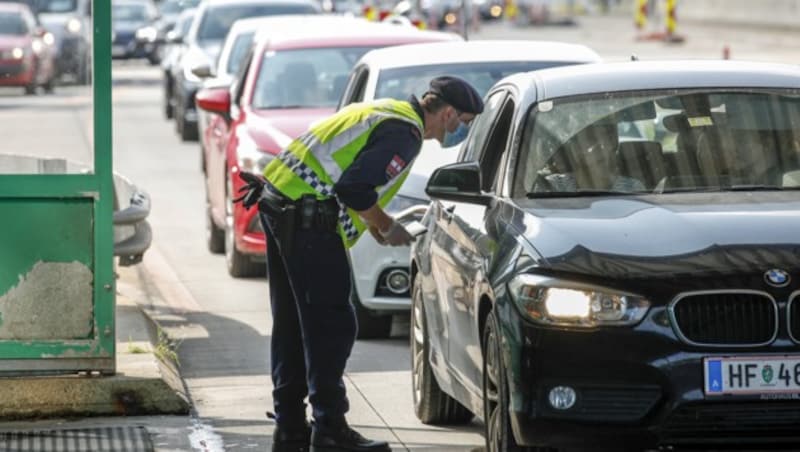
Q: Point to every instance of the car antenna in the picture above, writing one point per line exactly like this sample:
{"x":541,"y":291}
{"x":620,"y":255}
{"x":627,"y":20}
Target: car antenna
{"x":634,"y":57}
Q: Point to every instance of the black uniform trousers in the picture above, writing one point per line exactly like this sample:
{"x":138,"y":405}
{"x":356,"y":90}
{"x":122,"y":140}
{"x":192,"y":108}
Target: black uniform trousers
{"x":314,"y":324}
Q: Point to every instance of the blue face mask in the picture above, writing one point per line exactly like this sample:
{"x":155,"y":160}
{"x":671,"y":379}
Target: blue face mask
{"x":456,"y":137}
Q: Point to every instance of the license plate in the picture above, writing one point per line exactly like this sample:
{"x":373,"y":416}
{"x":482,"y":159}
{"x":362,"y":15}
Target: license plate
{"x":752,"y":375}
{"x":117,"y":50}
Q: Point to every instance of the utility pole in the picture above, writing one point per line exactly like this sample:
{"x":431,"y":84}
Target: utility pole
{"x":465,"y":18}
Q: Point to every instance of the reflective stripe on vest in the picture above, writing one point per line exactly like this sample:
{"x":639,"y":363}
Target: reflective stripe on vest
{"x":314,"y":162}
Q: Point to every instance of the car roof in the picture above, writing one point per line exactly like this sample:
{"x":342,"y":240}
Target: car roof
{"x":480,"y":50}
{"x":330,"y":32}
{"x":653,"y":75}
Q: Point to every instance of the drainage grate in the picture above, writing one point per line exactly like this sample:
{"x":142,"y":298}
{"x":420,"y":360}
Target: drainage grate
{"x":107,"y":439}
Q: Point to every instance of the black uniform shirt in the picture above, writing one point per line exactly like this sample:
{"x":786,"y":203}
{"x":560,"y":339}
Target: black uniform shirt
{"x":392,"y":146}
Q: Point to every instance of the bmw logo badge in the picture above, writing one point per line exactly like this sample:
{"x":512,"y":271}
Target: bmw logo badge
{"x":777,"y":278}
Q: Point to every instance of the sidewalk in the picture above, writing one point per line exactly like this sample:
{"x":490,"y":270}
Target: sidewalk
{"x":142,"y":408}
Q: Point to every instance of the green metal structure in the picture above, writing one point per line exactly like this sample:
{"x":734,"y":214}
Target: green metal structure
{"x":57,"y":284}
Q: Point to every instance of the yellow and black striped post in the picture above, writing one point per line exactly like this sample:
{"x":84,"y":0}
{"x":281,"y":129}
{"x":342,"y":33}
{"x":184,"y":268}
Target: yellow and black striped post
{"x":672,"y":22}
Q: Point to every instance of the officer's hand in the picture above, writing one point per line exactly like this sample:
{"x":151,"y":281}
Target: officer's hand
{"x":397,"y":235}
{"x":255,"y":184}
{"x":377,"y":235}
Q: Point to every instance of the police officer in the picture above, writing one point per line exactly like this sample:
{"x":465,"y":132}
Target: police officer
{"x":325,"y":189}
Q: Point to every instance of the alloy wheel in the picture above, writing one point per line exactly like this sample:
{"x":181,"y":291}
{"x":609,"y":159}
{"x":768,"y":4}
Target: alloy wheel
{"x":417,"y":346}
{"x":493,"y":408}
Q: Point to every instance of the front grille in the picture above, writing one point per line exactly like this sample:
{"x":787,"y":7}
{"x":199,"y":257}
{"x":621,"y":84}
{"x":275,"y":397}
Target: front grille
{"x":610,"y":404}
{"x":728,"y":318}
{"x":732,"y":420}
{"x":794,"y":317}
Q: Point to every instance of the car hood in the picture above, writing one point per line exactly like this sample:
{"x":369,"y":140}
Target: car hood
{"x":273,"y":130}
{"x":659,"y":236}
{"x":431,"y":156}
{"x":11,"y":41}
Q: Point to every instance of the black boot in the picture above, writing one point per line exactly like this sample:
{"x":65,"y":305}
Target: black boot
{"x":344,"y":439}
{"x":296,"y":439}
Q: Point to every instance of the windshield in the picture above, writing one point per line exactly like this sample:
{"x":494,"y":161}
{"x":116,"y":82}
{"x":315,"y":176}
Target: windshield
{"x":218,"y":20}
{"x":170,"y":7}
{"x":661,"y":142}
{"x":129,"y":12}
{"x":307,"y":78}
{"x":238,"y":51}
{"x":53,"y":6}
{"x":402,"y":82}
{"x":12,"y":24}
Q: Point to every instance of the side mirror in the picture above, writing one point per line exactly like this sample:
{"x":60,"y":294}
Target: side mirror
{"x":203,"y":71}
{"x":460,"y":182}
{"x":174,"y":38}
{"x":215,"y":100}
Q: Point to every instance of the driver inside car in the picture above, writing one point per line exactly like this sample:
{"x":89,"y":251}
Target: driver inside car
{"x":588,"y":162}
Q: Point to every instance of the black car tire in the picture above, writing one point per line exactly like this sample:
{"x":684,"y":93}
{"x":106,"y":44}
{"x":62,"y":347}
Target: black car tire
{"x":239,"y":264}
{"x":215,"y":237}
{"x":30,"y":89}
{"x":498,"y":434}
{"x":187,"y":132}
{"x":431,"y":404}
{"x":370,"y":324}
{"x":169,"y":110}
{"x":49,"y":85}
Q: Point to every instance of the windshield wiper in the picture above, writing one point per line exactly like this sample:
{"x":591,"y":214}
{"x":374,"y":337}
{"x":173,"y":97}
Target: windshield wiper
{"x":580,"y":193}
{"x":756,"y":187}
{"x":746,"y":187}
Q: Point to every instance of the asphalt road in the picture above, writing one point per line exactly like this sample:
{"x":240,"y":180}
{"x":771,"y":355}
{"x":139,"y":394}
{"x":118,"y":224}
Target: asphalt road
{"x":223,"y":327}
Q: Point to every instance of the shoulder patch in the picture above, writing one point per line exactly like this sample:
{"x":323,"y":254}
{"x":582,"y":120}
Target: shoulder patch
{"x":395,"y":167}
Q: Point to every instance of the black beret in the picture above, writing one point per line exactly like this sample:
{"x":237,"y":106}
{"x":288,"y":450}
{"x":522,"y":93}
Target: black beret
{"x":458,"y":93}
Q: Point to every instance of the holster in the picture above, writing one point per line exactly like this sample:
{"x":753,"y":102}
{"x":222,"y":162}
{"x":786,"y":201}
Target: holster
{"x":282,"y":213}
{"x":307,"y":213}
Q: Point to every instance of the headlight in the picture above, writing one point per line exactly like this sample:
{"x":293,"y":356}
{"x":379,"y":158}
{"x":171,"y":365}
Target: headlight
{"x":550,"y":301}
{"x":249,"y":157}
{"x":49,"y":39}
{"x":148,"y":34}
{"x":400,"y":203}
{"x":37,"y":46}
{"x":17,"y":53}
{"x":74,"y":25}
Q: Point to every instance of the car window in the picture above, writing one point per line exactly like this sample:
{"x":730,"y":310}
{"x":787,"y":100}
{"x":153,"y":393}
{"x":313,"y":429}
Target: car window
{"x":238,"y":51}
{"x":12,"y":24}
{"x":237,"y":87}
{"x":54,"y":6}
{"x":304,"y":78}
{"x":399,"y":83}
{"x":217,"y":21}
{"x":479,"y":130}
{"x":660,"y":142}
{"x":495,"y":147}
{"x":361,"y":86}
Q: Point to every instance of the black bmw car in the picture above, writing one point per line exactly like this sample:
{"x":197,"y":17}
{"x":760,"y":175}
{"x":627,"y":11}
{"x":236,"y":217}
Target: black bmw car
{"x":615,"y":260}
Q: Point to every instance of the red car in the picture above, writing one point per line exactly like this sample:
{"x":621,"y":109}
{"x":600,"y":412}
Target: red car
{"x":293,"y":77}
{"x":27,"y":56}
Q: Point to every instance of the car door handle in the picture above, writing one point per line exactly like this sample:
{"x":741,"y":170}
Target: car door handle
{"x":447,"y":213}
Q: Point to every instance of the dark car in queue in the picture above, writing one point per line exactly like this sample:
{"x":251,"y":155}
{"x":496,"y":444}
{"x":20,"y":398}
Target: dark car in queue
{"x":204,"y":40}
{"x":27,"y":54}
{"x":127,"y":18}
{"x":579,"y":287}
{"x":152,"y":38}
{"x":174,"y":48}
{"x":289,"y":80}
